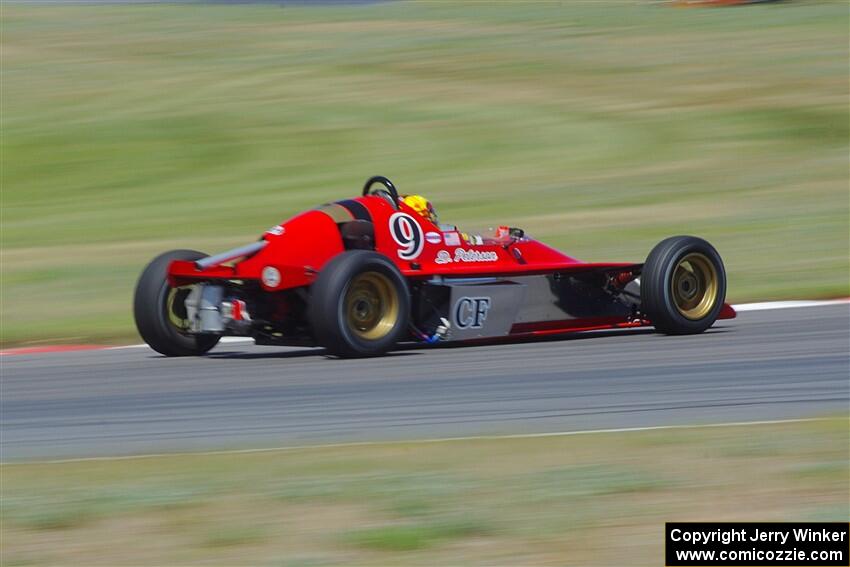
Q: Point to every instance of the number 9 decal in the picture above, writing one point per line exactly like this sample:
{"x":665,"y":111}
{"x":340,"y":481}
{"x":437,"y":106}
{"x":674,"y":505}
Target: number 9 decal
{"x":407,"y":234}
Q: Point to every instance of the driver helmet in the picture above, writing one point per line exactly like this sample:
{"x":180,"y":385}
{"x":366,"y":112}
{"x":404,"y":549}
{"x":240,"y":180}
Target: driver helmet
{"x":422,"y":206}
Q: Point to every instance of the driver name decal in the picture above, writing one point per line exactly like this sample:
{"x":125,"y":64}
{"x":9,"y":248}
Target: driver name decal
{"x":408,"y":235}
{"x":462,"y":255}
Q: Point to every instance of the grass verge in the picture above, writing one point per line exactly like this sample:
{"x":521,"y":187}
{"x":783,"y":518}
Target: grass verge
{"x":601,"y":127}
{"x":579,"y":500}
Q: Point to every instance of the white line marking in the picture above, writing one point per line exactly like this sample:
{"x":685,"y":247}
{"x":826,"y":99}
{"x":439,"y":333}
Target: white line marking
{"x":419,"y":441}
{"x":224,"y":340}
{"x":770,"y":305}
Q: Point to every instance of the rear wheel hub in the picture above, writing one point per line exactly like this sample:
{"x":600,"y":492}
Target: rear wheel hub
{"x":371,"y":306}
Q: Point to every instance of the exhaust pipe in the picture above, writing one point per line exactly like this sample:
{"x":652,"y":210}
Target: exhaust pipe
{"x":246,"y":250}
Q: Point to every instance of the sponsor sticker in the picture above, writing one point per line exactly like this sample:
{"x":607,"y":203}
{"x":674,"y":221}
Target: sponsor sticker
{"x":276,"y":230}
{"x":270,"y":276}
{"x":433,"y":237}
{"x":452,"y":239}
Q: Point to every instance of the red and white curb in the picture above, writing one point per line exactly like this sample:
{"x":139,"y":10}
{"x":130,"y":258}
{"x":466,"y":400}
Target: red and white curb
{"x":51,"y":348}
{"x":740,"y":308}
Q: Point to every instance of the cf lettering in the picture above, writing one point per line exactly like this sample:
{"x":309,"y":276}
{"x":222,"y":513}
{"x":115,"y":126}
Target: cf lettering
{"x":471,"y":312}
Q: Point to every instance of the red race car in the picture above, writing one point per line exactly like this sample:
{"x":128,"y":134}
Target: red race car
{"x":359,"y":276}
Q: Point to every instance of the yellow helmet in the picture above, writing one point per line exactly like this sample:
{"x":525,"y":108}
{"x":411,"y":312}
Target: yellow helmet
{"x":422,"y":206}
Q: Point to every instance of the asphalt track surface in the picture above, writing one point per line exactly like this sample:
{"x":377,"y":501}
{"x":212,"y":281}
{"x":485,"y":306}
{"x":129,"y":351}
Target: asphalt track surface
{"x":764,"y":365}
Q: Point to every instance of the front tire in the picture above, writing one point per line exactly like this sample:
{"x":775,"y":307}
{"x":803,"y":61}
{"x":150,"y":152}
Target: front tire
{"x":159,"y":311}
{"x":683,"y":285}
{"x":359,"y":305}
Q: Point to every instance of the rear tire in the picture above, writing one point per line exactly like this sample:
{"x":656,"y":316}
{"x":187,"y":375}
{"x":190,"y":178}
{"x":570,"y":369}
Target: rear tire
{"x":683,"y":285}
{"x":155,"y":309}
{"x":359,"y":305}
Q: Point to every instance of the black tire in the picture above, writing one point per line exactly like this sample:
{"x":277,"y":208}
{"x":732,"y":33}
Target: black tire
{"x":683,"y":285}
{"x":150,"y":309}
{"x":337,"y":315}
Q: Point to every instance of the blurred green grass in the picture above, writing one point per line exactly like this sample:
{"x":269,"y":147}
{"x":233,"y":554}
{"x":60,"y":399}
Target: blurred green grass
{"x":598,"y":499}
{"x":601,"y":127}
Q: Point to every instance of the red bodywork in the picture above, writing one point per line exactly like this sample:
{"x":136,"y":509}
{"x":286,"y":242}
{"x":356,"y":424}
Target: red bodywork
{"x":301,"y":246}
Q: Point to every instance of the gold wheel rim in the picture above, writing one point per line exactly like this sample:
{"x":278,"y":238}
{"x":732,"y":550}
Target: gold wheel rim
{"x":694,"y":286}
{"x":175,"y":308}
{"x":371,"y":306}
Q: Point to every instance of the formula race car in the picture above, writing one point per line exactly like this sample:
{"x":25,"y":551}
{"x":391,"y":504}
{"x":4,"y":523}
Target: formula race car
{"x":361,"y":275}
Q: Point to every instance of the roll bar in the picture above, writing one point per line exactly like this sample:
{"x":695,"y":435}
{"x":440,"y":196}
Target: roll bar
{"x":386,"y":183}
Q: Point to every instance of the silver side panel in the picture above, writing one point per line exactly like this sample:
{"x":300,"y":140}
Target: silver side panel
{"x":480,"y":307}
{"x":488,"y":310}
{"x":541,"y":301}
{"x":569,"y":296}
